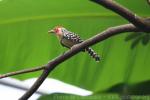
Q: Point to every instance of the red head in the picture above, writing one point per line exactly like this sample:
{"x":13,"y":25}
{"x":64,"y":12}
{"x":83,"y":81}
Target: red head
{"x":58,"y":30}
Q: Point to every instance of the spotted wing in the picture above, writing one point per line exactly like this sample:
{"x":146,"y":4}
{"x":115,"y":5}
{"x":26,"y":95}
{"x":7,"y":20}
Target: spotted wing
{"x":69,"y":39}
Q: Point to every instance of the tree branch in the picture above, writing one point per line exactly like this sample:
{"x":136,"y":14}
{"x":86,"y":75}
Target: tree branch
{"x":140,"y":25}
{"x":21,"y":72}
{"x":76,"y":49}
{"x":125,"y":13}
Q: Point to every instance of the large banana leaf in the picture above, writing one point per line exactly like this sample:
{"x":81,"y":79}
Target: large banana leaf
{"x":24,"y":42}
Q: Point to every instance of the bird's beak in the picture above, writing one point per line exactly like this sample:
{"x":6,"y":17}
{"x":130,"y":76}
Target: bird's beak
{"x":51,"y":31}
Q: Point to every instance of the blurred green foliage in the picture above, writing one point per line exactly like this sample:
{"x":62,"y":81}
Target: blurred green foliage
{"x":24,"y":42}
{"x":58,"y":96}
{"x":108,"y":96}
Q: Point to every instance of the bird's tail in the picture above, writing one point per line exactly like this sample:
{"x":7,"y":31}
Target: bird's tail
{"x":93,"y":54}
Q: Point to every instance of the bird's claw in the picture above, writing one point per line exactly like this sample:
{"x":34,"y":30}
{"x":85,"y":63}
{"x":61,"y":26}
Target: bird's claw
{"x":73,"y":47}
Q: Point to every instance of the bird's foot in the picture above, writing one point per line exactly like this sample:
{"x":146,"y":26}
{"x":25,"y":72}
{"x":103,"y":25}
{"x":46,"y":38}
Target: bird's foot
{"x":73,"y":47}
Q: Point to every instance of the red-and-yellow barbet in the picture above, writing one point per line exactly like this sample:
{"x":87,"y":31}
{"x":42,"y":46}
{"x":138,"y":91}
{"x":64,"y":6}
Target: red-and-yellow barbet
{"x":69,"y":39}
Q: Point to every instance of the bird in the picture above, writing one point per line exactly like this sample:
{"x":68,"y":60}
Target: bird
{"x":68,"y":39}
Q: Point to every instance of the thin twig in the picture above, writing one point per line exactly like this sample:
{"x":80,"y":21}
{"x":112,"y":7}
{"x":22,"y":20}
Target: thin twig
{"x":76,"y":49}
{"x":125,"y":13}
{"x":22,"y":72}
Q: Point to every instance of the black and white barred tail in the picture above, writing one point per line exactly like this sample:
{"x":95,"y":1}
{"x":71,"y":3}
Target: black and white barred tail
{"x":93,"y":54}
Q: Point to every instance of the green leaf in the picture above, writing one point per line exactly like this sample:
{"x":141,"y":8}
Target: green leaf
{"x":59,"y":96}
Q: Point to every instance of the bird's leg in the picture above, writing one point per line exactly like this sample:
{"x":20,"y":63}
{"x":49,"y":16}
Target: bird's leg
{"x":74,"y":46}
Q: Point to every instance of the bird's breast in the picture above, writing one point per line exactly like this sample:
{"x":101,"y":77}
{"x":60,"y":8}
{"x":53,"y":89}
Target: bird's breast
{"x":67,"y":43}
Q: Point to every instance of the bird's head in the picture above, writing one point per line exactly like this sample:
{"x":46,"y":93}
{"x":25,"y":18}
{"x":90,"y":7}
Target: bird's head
{"x":58,"y":30}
